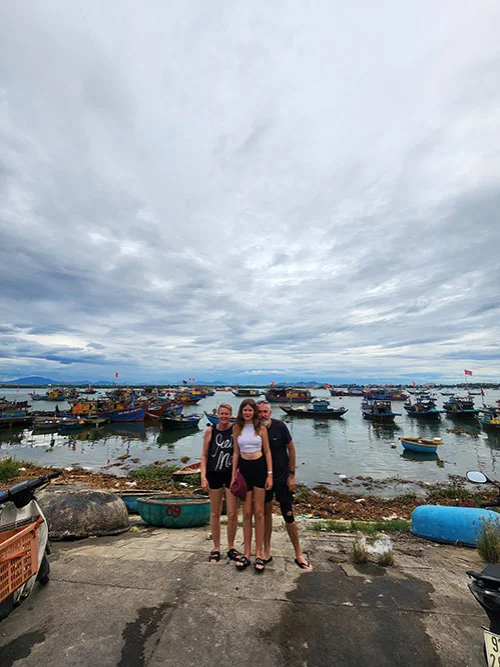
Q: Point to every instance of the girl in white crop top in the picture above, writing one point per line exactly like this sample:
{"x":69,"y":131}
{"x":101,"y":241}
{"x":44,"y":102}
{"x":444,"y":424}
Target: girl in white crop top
{"x":252,"y":457}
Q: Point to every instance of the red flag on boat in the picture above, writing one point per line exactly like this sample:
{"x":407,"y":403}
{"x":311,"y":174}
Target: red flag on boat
{"x":116,"y":375}
{"x":327,"y":386}
{"x":414,"y":383}
{"x":467,"y":372}
{"x":482,"y":391}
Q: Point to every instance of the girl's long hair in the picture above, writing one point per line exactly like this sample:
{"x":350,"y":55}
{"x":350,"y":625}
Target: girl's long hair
{"x":240,"y":422}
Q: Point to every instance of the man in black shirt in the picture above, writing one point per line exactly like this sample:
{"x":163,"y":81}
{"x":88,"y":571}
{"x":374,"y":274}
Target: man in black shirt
{"x":283,"y":453}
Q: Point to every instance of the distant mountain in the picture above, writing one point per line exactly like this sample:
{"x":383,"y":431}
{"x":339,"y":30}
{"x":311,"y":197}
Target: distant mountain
{"x":32,"y":380}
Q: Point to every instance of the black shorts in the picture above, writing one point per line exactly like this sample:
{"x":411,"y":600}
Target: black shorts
{"x":216,"y":480}
{"x":280,"y":491}
{"x":254,"y":472}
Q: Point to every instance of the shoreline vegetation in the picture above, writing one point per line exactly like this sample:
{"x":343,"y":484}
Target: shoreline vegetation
{"x":359,"y":499}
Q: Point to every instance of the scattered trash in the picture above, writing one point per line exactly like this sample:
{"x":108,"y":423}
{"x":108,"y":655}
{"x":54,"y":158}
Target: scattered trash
{"x":131,"y":483}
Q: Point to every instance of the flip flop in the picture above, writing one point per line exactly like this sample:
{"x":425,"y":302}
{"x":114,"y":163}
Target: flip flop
{"x":214,"y":557}
{"x":303,"y":566}
{"x":268,"y":560}
{"x":233,"y":554}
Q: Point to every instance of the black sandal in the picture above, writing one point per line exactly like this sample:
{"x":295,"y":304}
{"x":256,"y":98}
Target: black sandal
{"x":242,"y":563}
{"x":233,"y":554}
{"x":214,"y":557}
{"x":262,"y":563}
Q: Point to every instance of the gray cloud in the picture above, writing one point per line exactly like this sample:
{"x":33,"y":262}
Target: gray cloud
{"x":249,"y":189}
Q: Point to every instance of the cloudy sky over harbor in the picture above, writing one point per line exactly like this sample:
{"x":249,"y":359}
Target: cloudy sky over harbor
{"x":250,"y":190}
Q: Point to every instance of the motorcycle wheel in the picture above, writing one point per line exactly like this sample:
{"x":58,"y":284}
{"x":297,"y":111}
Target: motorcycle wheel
{"x":43,"y":572}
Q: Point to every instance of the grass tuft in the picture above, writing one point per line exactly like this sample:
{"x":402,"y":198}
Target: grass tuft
{"x":386,"y":559}
{"x":367,"y":527}
{"x":154,"y":473}
{"x":488,"y":544}
{"x":9,"y":469}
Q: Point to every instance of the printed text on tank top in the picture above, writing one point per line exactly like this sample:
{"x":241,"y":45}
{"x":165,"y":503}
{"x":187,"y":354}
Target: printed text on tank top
{"x":250,"y":443}
{"x":221,"y":450}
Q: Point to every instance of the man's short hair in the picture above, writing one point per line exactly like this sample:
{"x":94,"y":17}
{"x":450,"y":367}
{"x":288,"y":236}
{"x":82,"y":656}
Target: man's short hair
{"x":262,"y":402}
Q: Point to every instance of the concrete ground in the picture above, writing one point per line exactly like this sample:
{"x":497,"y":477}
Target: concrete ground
{"x":149,"y":597}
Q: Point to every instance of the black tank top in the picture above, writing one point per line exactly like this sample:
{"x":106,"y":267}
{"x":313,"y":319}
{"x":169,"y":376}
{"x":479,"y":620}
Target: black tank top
{"x":220,"y":450}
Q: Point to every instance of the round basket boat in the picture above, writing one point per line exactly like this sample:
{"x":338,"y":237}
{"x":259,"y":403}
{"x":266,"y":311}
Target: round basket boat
{"x":174,"y":511}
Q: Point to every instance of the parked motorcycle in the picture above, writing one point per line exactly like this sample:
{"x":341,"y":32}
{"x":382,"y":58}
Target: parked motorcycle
{"x":485,"y":587}
{"x":24,"y":545}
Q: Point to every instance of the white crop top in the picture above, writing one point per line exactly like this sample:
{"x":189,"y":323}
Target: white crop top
{"x":248,"y":441}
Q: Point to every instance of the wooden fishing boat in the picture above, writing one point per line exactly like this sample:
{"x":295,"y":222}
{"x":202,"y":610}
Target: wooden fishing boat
{"x":247,"y":393}
{"x":180,"y":421}
{"x":460,"y":407}
{"x":384,"y":394}
{"x":191,"y":469}
{"x":133,"y":414}
{"x":420,"y":445}
{"x":346,"y":392}
{"x":319,"y":409}
{"x":422,"y":407}
{"x":288,"y":395}
{"x":378,"y":411}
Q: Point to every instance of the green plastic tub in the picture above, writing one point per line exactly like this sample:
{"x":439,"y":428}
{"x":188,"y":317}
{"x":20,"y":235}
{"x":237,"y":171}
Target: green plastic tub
{"x":174,"y":511}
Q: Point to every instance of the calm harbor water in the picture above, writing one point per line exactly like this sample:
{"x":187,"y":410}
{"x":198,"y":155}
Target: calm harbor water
{"x":326,"y":449}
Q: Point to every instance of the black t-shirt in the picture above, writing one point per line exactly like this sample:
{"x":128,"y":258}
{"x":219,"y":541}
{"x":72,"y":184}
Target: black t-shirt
{"x":279,"y":438}
{"x":220,"y":450}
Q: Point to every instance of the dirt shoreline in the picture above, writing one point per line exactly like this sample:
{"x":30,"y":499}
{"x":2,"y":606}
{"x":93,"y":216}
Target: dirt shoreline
{"x":362,"y":499}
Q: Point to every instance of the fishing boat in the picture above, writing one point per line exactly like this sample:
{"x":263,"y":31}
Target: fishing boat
{"x":288,"y":395}
{"x":420,"y":445}
{"x":460,"y":407}
{"x":155,"y":411}
{"x":132,"y":414}
{"x":67,"y":425}
{"x":319,"y":408}
{"x":384,"y":394}
{"x":346,"y":392}
{"x":379,"y":411}
{"x":422,"y":407}
{"x":180,"y":421}
{"x":247,"y":393}
{"x":52,"y":395}
{"x":489,"y":422}
{"x":213,"y":417}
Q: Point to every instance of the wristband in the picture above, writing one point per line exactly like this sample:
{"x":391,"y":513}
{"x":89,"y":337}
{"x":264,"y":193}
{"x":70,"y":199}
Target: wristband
{"x":269,"y":472}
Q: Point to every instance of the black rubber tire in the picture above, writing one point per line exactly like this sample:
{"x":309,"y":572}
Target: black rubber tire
{"x":43,"y":572}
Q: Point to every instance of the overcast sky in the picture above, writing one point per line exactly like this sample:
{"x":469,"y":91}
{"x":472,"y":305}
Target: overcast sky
{"x":251,"y":190}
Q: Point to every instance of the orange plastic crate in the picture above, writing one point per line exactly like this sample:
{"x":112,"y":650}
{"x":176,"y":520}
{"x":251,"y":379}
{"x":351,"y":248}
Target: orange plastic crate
{"x":18,"y":557}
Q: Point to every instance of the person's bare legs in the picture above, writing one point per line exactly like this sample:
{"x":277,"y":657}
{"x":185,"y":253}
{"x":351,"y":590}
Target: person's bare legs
{"x":232,"y":518}
{"x":215,"y":496}
{"x":258,"y":510}
{"x":247,"y":526}
{"x":268,"y":529}
{"x":293,"y":534}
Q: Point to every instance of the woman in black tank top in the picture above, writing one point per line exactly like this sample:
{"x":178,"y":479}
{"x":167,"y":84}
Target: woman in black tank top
{"x":216,"y":466}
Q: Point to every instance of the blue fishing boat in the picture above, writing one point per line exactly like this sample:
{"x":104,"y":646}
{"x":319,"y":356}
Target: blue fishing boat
{"x":319,"y":408}
{"x":213,"y":418}
{"x":378,"y":411}
{"x":420,"y":445}
{"x":132,"y":414}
